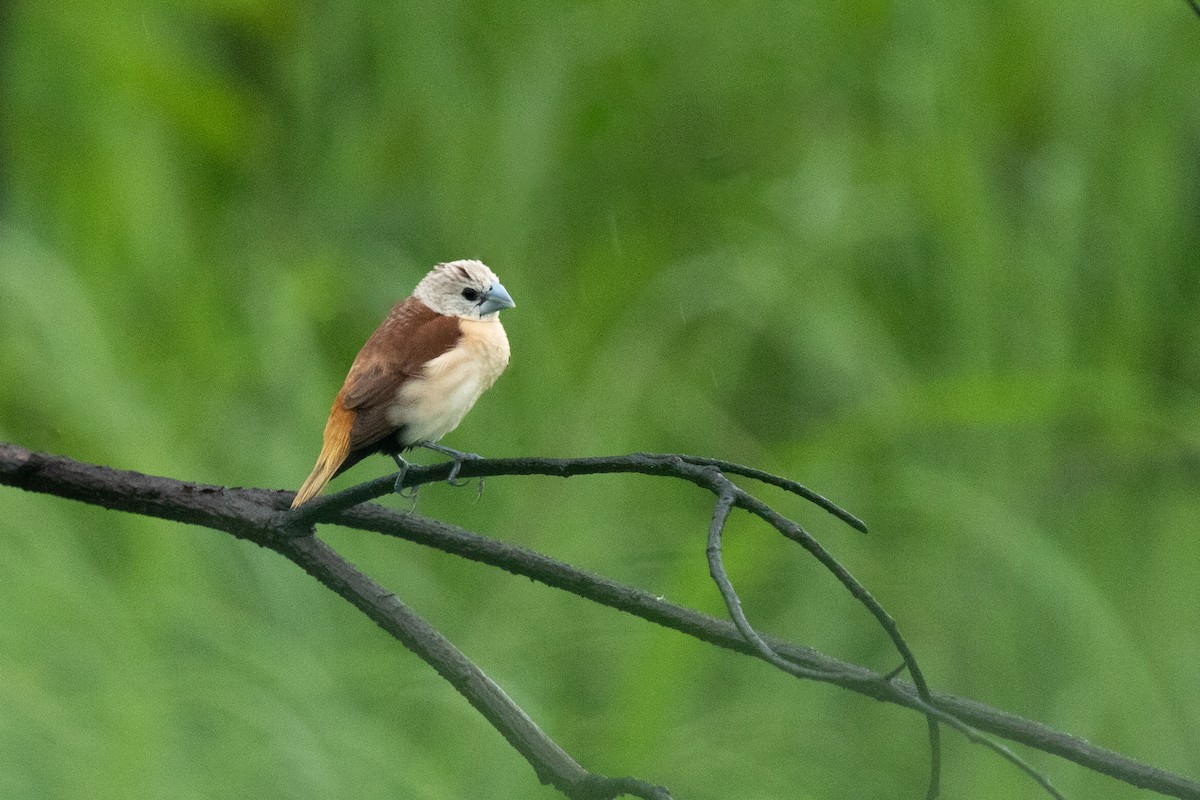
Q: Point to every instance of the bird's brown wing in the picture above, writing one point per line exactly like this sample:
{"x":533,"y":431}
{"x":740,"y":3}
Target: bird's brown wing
{"x":412,"y":335}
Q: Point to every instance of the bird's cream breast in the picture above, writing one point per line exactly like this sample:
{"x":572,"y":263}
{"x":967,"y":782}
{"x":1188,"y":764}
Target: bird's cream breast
{"x":431,"y":405}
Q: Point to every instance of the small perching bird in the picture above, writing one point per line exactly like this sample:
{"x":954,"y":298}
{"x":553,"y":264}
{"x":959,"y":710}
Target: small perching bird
{"x":419,"y":373}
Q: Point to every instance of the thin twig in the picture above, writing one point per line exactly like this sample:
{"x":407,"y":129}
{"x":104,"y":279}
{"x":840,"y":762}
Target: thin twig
{"x":645,"y":463}
{"x":787,"y":484}
{"x":727,"y":496}
{"x":725,"y":502}
{"x":1195,"y":6}
{"x":716,"y":568}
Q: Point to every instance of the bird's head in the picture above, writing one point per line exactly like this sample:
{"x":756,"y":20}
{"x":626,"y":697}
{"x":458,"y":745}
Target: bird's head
{"x":463,"y":289}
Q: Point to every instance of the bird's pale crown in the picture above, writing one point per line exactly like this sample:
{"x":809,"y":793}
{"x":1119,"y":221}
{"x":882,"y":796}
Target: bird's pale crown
{"x":465,"y":289}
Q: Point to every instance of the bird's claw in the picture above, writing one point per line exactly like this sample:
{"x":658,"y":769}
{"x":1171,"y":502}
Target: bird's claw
{"x":452,"y":478}
{"x":402,"y":465}
{"x":459,"y":458}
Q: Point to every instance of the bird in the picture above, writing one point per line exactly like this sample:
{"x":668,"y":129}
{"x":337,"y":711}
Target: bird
{"x":418,"y":374}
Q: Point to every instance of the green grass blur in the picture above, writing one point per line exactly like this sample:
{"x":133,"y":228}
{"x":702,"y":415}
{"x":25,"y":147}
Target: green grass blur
{"x":936,"y":260}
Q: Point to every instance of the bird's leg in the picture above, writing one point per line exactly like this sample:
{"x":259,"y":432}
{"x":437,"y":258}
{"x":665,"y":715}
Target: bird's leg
{"x":402,"y":465}
{"x":459,"y":457}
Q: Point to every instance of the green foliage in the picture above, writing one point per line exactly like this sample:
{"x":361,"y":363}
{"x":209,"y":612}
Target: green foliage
{"x":935,"y":259}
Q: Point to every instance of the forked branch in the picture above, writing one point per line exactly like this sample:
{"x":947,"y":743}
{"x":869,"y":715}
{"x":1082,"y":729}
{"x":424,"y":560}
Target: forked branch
{"x":260,"y":516}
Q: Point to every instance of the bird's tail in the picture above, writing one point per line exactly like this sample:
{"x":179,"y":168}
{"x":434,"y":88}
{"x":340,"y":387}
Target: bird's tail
{"x":334,"y":449}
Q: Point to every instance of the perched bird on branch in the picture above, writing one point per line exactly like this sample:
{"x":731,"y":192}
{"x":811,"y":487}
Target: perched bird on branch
{"x":419,"y":373}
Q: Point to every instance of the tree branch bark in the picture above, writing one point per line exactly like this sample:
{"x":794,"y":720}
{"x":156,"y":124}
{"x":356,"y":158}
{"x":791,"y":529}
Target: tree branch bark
{"x":261,"y":516}
{"x":552,"y":764}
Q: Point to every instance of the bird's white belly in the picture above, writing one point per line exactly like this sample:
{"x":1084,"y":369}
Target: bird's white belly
{"x":430,"y":406}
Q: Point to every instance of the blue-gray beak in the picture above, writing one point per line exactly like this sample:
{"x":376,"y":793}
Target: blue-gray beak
{"x":495,"y":299}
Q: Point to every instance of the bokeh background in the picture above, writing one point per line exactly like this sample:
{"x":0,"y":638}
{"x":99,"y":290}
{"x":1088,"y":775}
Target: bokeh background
{"x":936,"y":260}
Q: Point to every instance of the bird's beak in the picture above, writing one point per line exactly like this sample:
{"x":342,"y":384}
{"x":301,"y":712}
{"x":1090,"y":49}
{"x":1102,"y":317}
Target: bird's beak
{"x":495,"y":299}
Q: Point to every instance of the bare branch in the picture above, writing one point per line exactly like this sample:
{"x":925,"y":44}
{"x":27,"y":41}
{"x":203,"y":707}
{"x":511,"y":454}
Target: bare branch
{"x":554,"y":573}
{"x":707,"y":476}
{"x":242,"y":513}
{"x":725,"y":501}
{"x":716,"y":568}
{"x":669,"y":465}
{"x":787,"y":484}
{"x":255,"y":515}
{"x":551,"y":762}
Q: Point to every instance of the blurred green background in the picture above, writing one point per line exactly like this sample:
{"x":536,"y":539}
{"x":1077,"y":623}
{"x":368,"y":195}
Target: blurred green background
{"x":936,"y":260}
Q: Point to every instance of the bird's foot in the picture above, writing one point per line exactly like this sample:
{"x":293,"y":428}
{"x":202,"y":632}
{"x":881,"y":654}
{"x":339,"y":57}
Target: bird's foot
{"x":402,"y":465}
{"x":459,"y":457}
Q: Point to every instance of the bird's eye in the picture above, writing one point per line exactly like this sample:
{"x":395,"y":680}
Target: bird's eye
{"x":470,"y":294}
